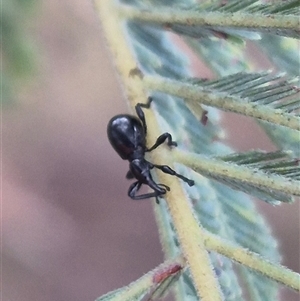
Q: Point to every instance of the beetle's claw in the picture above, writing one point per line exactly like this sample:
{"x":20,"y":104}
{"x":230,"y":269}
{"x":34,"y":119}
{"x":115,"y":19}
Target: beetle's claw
{"x":191,"y":182}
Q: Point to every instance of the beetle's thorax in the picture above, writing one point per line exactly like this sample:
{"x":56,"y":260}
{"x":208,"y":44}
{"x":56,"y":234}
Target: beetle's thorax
{"x":137,"y":153}
{"x":140,"y":169}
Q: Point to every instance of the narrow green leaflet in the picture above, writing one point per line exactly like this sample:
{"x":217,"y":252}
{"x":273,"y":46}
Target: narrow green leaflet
{"x":273,"y":163}
{"x":284,"y":138}
{"x":283,"y":52}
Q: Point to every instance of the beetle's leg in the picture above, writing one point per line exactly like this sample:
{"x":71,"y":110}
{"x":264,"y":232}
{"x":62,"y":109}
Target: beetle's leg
{"x":163,"y":185}
{"x":168,"y":170}
{"x":129,"y":175}
{"x":134,"y":188}
{"x":161,"y":139}
{"x":140,"y":113}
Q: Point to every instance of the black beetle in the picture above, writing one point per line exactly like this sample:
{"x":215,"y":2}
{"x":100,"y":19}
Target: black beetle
{"x":127,"y":135}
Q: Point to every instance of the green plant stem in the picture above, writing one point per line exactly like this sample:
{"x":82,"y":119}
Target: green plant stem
{"x":252,"y":260}
{"x":240,"y":20}
{"x":194,"y":251}
{"x":193,"y":93}
{"x":216,"y":168}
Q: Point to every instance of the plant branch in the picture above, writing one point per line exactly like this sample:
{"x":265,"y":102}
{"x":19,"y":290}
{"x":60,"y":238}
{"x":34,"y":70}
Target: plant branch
{"x":237,"y":175}
{"x":184,"y":221}
{"x":153,"y":283}
{"x":253,"y":261}
{"x":239,"y":20}
{"x":195,"y":93}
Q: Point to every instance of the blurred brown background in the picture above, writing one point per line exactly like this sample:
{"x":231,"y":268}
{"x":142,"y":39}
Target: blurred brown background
{"x":69,"y":230}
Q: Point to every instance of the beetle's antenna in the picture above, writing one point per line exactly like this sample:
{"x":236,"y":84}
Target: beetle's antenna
{"x":140,"y":113}
{"x":168,"y":170}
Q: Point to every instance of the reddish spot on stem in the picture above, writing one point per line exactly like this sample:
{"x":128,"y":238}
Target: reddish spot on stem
{"x":220,"y":34}
{"x":160,"y":276}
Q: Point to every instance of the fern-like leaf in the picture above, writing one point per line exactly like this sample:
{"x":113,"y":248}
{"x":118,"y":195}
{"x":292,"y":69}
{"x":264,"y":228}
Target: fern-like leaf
{"x":208,"y":19}
{"x":255,"y":173}
{"x":260,"y":95}
{"x":187,"y":214}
